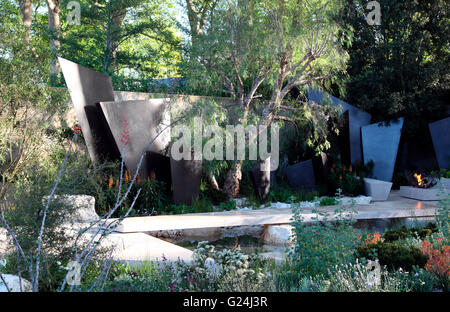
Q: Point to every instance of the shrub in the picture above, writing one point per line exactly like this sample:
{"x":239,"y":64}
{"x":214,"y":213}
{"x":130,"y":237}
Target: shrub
{"x":152,"y":198}
{"x":438,"y":261}
{"x":403,"y":232}
{"x":393,"y":256}
{"x":358,"y":277}
{"x":323,"y":243}
{"x":328,"y":201}
{"x":350,"y":180}
{"x":229,"y":205}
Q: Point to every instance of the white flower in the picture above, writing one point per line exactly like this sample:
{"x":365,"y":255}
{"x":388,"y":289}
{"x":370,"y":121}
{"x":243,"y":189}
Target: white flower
{"x":3,"y":262}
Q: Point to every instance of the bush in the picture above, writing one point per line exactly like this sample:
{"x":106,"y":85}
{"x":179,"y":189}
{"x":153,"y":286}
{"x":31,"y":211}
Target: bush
{"x":350,"y":180}
{"x":393,"y":256}
{"x":152,"y":199}
{"x":358,"y":277}
{"x":328,"y":201}
{"x":283,"y":193}
{"x":403,"y":232}
{"x":322,"y":244}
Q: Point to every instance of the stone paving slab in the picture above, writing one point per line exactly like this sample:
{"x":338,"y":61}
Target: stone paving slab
{"x":395,"y":207}
{"x":138,"y":247}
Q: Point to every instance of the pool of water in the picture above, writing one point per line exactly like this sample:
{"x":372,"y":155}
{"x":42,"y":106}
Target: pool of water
{"x":247,"y":244}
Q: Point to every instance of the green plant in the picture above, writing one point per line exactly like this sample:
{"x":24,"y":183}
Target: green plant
{"x":153,"y":196}
{"x":350,"y":180}
{"x":403,"y":232}
{"x":328,"y":201}
{"x":445,"y":173}
{"x":324,"y":242}
{"x":229,"y":205}
{"x":393,"y":256}
{"x":359,"y":277}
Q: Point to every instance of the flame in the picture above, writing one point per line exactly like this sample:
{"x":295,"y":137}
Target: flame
{"x":419,"y":179}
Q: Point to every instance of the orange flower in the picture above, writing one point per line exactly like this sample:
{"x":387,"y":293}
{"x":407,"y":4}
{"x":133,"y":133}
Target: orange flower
{"x":110,"y":182}
{"x":126,"y":177}
{"x":350,"y":169}
{"x":371,"y":239}
{"x":152,"y":175}
{"x":438,"y":261}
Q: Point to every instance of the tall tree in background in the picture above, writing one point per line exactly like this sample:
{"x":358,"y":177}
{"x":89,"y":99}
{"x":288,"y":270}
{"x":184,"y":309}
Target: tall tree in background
{"x":198,"y":12}
{"x":400,"y":68}
{"x":282,"y":44}
{"x":54,"y":28}
{"x":26,"y":9}
{"x":126,"y":38}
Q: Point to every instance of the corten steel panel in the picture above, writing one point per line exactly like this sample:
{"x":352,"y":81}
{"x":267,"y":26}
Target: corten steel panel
{"x":261,"y":179}
{"x":134,"y":124}
{"x":440,"y":133}
{"x":356,"y":119}
{"x":301,"y":175}
{"x":87,"y":88}
{"x":380,"y":144}
{"x":186,"y":179}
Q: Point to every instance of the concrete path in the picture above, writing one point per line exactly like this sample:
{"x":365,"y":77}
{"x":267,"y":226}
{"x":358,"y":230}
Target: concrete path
{"x":395,"y":207}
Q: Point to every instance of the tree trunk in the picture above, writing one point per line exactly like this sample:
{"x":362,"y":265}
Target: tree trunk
{"x":113,"y":39}
{"x":232,"y":181}
{"x":26,"y":9}
{"x":54,"y":29}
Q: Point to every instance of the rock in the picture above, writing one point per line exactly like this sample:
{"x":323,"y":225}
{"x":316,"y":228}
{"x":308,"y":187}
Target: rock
{"x":81,"y":206}
{"x":360,"y":200}
{"x":241,"y":202}
{"x":280,"y":205}
{"x":3,"y":242}
{"x":13,"y":283}
{"x":278,"y":235}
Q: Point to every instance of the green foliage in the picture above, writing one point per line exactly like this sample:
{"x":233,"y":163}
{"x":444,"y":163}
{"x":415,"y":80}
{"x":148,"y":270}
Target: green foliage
{"x":133,"y":48}
{"x":153,"y":195}
{"x":27,"y":105}
{"x":230,"y":205}
{"x":403,"y":232}
{"x":357,"y":277}
{"x":393,"y":256}
{"x":283,"y":193}
{"x":350,"y":180}
{"x":400,"y":68}
{"x":328,"y":201}
{"x":445,"y":173}
{"x":322,"y":244}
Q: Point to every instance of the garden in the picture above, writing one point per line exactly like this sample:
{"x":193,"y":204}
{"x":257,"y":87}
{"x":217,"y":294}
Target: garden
{"x":135,"y":139}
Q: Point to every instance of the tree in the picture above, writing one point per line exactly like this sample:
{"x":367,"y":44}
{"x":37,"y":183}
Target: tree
{"x":54,"y":27}
{"x":278,"y":44}
{"x":400,"y":68}
{"x":26,"y":9}
{"x":127,"y":38}
{"x":198,"y":12}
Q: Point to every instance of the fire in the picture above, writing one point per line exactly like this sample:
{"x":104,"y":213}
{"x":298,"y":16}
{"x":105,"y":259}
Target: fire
{"x":419,"y":179}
